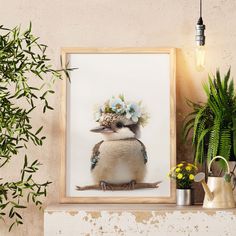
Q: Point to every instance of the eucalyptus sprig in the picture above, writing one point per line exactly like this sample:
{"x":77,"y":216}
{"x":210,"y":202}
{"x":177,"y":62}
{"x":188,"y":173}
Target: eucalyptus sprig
{"x":26,"y":80}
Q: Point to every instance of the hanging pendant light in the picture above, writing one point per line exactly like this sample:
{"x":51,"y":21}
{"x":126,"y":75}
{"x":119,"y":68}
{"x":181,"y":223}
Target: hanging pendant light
{"x":200,"y":42}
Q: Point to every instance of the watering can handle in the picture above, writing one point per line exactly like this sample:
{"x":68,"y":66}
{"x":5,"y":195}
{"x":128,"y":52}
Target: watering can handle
{"x":216,"y":157}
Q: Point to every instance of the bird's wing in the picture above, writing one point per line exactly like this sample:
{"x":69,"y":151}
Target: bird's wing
{"x":143,"y":150}
{"x":95,"y":155}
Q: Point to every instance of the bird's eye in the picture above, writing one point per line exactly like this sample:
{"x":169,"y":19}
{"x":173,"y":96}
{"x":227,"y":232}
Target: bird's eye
{"x":119,"y":125}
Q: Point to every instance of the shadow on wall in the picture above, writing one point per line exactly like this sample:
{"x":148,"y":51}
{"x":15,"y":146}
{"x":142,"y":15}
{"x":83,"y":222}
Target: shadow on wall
{"x":184,"y":90}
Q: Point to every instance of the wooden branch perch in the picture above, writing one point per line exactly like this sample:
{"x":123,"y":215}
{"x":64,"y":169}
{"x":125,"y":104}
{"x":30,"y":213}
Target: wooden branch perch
{"x":116,"y":187}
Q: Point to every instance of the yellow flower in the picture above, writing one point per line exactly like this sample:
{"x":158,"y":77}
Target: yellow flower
{"x":191,"y":177}
{"x":179,"y":176}
{"x":180,"y":165}
{"x":193,"y":166}
{"x":177,"y":170}
{"x":188,"y":168}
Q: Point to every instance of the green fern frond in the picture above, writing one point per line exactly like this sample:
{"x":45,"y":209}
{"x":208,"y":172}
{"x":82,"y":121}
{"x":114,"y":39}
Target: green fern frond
{"x":193,"y":105}
{"x":210,"y":148}
{"x":225,"y":143}
{"x":214,"y":106}
{"x":206,"y":88}
{"x":196,"y":123}
{"x":225,"y":146}
{"x":231,"y":89}
{"x":200,"y":129}
{"x":190,"y":116}
{"x":215,"y":100}
{"x":188,"y":125}
{"x":226,"y":79}
{"x":214,"y":140}
{"x":222,"y":93}
{"x":234,"y":136}
{"x":216,"y":137}
{"x":199,"y":154}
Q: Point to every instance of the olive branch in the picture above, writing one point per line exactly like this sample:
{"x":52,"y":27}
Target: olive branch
{"x":23,"y":63}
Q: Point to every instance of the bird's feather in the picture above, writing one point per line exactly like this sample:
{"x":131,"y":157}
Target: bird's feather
{"x":145,"y":157}
{"x":95,"y":155}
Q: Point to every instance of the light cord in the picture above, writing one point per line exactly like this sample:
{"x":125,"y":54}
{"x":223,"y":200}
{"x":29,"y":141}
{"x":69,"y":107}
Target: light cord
{"x":200,"y":8}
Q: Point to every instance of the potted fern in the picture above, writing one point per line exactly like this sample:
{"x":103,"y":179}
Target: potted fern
{"x":213,"y":123}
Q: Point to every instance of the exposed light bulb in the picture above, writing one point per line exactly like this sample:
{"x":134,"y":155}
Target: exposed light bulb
{"x":200,"y":51}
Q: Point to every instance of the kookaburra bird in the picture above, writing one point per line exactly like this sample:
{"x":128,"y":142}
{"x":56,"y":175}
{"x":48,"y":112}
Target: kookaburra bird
{"x":121,"y":157}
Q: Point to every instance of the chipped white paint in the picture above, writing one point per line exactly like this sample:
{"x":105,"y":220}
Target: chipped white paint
{"x":143,"y":220}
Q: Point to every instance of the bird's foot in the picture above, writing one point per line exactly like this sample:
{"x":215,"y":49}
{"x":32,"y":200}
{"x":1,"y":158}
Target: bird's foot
{"x":130,"y":185}
{"x":105,"y":186}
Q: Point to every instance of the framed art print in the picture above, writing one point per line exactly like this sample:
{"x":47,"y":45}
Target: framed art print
{"x":118,"y":125}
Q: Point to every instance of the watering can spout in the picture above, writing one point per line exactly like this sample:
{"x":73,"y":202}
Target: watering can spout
{"x":200,"y":177}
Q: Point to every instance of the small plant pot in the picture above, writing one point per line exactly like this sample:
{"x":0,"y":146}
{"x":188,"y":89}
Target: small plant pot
{"x":184,"y":197}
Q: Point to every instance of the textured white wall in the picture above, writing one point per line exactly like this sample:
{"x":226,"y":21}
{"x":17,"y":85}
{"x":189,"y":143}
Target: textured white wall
{"x":113,"y":23}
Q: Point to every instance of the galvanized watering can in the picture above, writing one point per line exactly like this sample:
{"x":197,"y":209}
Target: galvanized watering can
{"x":218,"y":190}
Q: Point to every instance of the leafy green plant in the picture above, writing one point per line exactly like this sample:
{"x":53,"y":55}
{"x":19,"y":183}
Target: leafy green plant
{"x":213,"y":123}
{"x":23,"y":63}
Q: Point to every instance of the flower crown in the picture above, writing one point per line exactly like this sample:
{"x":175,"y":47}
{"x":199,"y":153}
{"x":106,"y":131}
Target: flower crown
{"x":118,"y":105}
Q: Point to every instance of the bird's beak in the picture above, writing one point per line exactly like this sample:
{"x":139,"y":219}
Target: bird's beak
{"x":102,"y":129}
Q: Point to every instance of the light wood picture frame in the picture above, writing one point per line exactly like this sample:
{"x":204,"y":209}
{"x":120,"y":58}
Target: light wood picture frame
{"x":146,"y":74}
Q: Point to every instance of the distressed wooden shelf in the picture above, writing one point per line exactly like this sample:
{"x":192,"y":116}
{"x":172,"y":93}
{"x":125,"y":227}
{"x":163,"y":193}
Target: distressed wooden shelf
{"x":137,"y":219}
{"x":130,"y":207}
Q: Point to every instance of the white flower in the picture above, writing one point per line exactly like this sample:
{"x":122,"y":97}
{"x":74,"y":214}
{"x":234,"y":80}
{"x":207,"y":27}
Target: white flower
{"x":97,"y":116}
{"x":98,"y":113}
{"x":117,"y":105}
{"x":133,"y":111}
